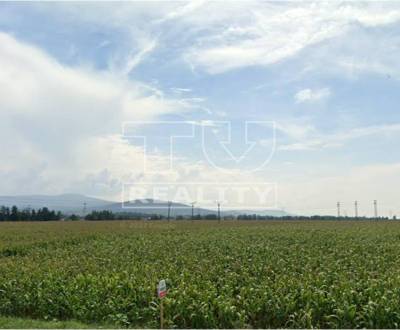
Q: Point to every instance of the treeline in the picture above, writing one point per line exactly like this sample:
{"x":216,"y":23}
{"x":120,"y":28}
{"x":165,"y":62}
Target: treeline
{"x":100,"y":215}
{"x":15,"y":214}
{"x":44,"y":214}
{"x":305,"y":218}
{"x":108,"y":215}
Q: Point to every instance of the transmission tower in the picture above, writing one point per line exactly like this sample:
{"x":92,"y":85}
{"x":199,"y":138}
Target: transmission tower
{"x":356,"y":209}
{"x":376,"y":209}
{"x":338,"y":209}
{"x":193,"y":210}
{"x":169,"y":210}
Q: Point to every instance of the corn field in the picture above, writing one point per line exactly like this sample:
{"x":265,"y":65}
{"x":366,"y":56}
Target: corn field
{"x":219,"y":275}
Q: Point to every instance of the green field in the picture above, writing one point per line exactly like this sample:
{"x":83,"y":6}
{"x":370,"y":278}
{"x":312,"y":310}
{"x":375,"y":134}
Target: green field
{"x":233,"y":274}
{"x":23,"y":323}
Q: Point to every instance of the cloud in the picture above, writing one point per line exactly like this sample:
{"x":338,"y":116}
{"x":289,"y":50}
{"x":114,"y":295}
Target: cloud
{"x":309,"y":138}
{"x":53,"y":116}
{"x":309,"y":95}
{"x":353,"y":56}
{"x":179,"y":90}
{"x":216,"y":37}
{"x":264,"y":34}
{"x":60,"y":128}
{"x":182,"y":10}
{"x":133,"y":60}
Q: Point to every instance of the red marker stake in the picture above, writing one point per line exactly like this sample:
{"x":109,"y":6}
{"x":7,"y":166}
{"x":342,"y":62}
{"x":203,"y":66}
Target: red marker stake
{"x":161,"y":292}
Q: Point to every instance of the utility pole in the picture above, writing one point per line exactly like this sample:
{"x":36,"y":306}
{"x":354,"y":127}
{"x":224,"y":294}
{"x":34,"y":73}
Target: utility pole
{"x":169,"y":210}
{"x":193,"y":210}
{"x":356,"y":209}
{"x":219,"y":211}
{"x":338,"y":209}
{"x":376,"y":209}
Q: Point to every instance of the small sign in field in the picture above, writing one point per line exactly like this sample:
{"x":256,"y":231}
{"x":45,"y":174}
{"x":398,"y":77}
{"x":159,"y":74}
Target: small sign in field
{"x":162,"y":289}
{"x":161,"y":293}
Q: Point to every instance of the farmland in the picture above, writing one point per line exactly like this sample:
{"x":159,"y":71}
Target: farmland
{"x":233,"y":274}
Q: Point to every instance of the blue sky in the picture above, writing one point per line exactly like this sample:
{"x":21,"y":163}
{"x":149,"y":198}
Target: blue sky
{"x":326,"y":73}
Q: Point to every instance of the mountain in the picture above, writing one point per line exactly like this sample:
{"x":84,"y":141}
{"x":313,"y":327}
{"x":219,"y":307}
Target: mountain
{"x":76,"y":203}
{"x":67,"y":203}
{"x":150,"y":206}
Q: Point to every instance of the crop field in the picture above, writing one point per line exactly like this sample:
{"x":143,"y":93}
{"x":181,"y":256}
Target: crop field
{"x":232,"y":274}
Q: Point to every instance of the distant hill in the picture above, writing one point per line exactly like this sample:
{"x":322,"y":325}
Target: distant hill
{"x":150,"y":206}
{"x":74,"y":203}
{"x":67,"y":203}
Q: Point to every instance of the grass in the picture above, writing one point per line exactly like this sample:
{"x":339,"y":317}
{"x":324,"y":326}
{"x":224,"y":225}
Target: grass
{"x":21,"y":323}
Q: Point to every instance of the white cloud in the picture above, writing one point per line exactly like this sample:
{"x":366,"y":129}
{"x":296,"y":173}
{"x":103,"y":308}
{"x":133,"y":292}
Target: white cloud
{"x":309,"y":95}
{"x":264,"y":33}
{"x":354,"y":56}
{"x":217,"y":37}
{"x":60,"y":128}
{"x":308,"y":138}
{"x":53,"y":116}
{"x":182,"y":10}
{"x":179,"y":90}
{"x":145,"y":47}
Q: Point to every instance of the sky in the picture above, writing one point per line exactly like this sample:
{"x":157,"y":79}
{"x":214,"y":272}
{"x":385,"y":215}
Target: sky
{"x":317,"y":83}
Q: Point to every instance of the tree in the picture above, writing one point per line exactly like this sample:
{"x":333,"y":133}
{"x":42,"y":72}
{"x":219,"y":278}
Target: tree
{"x":14,"y":216}
{"x":73,"y":217}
